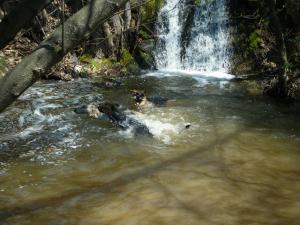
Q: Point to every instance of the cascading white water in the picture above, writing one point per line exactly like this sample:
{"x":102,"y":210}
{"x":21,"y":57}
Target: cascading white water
{"x":169,"y":30}
{"x":208,"y":48}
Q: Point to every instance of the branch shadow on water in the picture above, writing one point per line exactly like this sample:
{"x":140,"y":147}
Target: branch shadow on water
{"x":121,"y":181}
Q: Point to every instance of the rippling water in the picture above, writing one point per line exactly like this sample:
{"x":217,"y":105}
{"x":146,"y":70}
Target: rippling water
{"x":237,"y":164}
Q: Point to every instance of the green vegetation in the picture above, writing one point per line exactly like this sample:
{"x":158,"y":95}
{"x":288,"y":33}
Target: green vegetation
{"x":126,"y":57}
{"x":255,"y":40}
{"x":95,"y":65}
{"x":150,"y":9}
{"x":144,"y":35}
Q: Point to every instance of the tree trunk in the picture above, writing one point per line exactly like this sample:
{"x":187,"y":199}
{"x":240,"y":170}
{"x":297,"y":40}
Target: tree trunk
{"x":281,"y":86}
{"x":18,"y":18}
{"x":118,"y":34}
{"x":110,"y":46}
{"x":2,"y":14}
{"x":138,"y":23}
{"x":127,"y":16}
{"x":49,"y":52}
{"x":139,"y":16}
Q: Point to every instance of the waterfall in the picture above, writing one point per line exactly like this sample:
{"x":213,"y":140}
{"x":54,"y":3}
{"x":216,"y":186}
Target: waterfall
{"x":207,"y":48}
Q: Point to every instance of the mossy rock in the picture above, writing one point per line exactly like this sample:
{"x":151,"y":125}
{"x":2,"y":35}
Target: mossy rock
{"x":97,"y":65}
{"x":133,"y":69}
{"x":144,"y":59}
{"x":126,"y":57}
{"x":253,"y":88}
{"x":242,"y":68}
{"x":148,"y":45}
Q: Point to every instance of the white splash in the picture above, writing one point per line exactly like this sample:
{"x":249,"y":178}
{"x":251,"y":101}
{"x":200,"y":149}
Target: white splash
{"x":168,"y":48}
{"x":193,"y":73}
{"x":208,"y":52}
{"x":165,"y":125}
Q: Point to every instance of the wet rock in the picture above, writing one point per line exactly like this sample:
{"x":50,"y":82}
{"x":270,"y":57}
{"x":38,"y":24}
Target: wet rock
{"x":188,"y":125}
{"x":141,"y":100}
{"x":187,"y":16}
{"x":292,"y":94}
{"x":80,"y":71}
{"x":109,"y":83}
{"x":144,"y":58}
{"x":91,"y":109}
{"x":59,"y":76}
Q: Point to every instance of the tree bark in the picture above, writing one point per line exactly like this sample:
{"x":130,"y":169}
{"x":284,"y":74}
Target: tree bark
{"x":277,"y":29}
{"x":18,"y":18}
{"x":2,"y":14}
{"x":49,"y":52}
{"x":127,"y":15}
{"x":118,"y":34}
{"x":110,"y":46}
{"x":138,"y":23}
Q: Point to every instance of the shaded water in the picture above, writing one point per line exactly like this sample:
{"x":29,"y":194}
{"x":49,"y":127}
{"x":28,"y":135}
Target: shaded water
{"x":237,"y":164}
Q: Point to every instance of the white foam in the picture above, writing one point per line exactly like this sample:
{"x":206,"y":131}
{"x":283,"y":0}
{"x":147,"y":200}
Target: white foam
{"x":29,"y":131}
{"x":162,"y":125}
{"x":194,"y":73}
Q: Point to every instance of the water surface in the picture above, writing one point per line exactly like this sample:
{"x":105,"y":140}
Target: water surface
{"x":237,"y":164}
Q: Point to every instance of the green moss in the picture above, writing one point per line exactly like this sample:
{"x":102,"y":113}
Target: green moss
{"x":150,"y":9}
{"x":86,"y":58}
{"x":96,"y":65}
{"x":255,"y":40}
{"x":144,"y":35}
{"x":289,"y":67}
{"x":126,"y":57}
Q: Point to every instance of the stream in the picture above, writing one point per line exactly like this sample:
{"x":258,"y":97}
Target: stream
{"x":237,"y":164}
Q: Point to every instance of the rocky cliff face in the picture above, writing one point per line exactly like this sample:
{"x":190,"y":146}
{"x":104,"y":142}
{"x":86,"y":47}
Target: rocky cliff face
{"x":254,"y":43}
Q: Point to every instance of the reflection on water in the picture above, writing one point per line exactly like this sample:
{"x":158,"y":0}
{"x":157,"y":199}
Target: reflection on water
{"x":237,"y":164}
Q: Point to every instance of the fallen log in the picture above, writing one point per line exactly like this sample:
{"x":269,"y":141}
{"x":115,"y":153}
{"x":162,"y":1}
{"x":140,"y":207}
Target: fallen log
{"x":49,"y":52}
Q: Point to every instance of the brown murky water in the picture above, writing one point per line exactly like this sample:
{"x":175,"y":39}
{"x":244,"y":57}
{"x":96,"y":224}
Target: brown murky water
{"x":239,"y":163}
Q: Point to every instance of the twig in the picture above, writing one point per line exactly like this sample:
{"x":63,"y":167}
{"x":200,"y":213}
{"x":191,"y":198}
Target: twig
{"x":63,"y":27}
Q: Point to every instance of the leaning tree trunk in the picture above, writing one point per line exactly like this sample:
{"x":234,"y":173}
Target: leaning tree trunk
{"x":280,"y":89}
{"x":49,"y":52}
{"x":18,"y":18}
